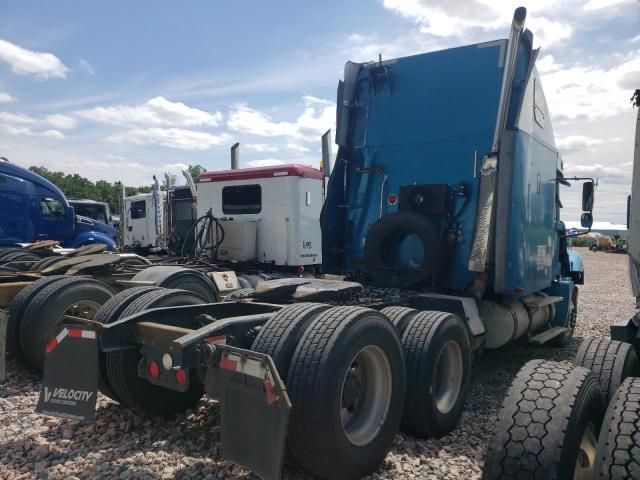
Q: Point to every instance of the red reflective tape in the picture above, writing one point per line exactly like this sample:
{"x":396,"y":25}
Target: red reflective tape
{"x":75,"y":333}
{"x":51,"y":345}
{"x":228,"y":364}
{"x":271,"y":397}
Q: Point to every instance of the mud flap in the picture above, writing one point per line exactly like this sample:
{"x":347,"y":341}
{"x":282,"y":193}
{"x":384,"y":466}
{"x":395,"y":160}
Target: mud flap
{"x":254,"y":410}
{"x":70,"y":380}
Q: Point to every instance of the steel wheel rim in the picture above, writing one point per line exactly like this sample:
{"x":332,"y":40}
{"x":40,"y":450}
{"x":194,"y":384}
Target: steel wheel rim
{"x":586,"y":453}
{"x":365,"y":396}
{"x":83,"y":309}
{"x":448,"y":376}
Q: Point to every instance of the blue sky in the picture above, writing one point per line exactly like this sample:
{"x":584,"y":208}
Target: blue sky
{"x":123,"y":90}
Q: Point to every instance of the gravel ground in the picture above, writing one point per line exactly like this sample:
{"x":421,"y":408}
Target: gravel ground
{"x":122,"y":444}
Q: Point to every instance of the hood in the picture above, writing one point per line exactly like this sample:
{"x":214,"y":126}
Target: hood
{"x":85,"y":224}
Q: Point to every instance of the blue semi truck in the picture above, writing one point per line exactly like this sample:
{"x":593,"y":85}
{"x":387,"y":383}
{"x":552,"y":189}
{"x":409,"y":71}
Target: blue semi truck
{"x":35,"y":209}
{"x":445,"y":196}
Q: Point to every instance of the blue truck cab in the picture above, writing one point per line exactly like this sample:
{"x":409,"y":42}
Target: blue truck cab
{"x":33,"y":209}
{"x":447,"y":180}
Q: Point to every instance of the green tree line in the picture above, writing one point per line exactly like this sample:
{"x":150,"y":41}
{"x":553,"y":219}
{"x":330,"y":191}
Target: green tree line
{"x":75,"y":186}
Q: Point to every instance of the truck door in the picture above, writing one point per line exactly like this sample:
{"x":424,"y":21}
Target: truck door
{"x":53,"y":221}
{"x":137,"y":224}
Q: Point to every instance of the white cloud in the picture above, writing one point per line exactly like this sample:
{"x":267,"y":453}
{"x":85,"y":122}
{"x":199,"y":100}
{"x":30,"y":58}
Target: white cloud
{"x":297,"y":148}
{"x":309,"y":126}
{"x":85,"y":66}
{"x":156,"y":112}
{"x":6,"y":98}
{"x":267,"y":162}
{"x":61,"y":122}
{"x":598,"y":170}
{"x":171,"y":137}
{"x":460,"y":18}
{"x":28,"y":62}
{"x":16,"y":118}
{"x":600,"y":4}
{"x":55,"y":134}
{"x":547,"y":64}
{"x":576,"y":144}
{"x":591,"y":92}
{"x":261,"y":147}
{"x":636,"y":39}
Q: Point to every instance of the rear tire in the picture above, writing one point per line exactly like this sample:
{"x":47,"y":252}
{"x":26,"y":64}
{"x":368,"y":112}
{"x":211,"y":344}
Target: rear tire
{"x":72,"y":295}
{"x":399,"y":316}
{"x":280,"y":335}
{"x":437,"y":353}
{"x":122,"y":365}
{"x":109,"y":313}
{"x":611,"y":361}
{"x":548,"y":424}
{"x":16,"y":311}
{"x":346,"y":384}
{"x":618,"y":452}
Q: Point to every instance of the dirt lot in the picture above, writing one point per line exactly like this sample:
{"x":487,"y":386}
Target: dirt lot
{"x":124,"y":445}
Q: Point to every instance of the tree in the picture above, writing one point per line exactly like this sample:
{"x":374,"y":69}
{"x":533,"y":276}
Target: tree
{"x":195,"y":171}
{"x":75,"y":186}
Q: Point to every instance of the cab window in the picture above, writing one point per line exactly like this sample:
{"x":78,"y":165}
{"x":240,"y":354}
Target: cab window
{"x":241,"y":199}
{"x":51,"y":207}
{"x":138,"y":209}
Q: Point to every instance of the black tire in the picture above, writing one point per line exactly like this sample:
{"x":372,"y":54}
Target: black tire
{"x":109,"y":313}
{"x":122,"y":365}
{"x":549,"y":409}
{"x":46,"y":262}
{"x":240,"y":294}
{"x":44,"y":313}
{"x":280,"y":335}
{"x":9,"y":251}
{"x":21,"y":260}
{"x":325,"y":355}
{"x":611,"y":361}
{"x":430,"y":409}
{"x":17,"y":308}
{"x":399,"y":316}
{"x":180,"y":278}
{"x":380,"y":241}
{"x":618,"y":452}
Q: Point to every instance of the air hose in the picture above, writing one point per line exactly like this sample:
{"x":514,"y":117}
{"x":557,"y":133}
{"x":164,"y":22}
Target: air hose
{"x":204,"y":226}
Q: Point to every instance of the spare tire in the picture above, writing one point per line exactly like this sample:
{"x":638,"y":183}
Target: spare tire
{"x":180,"y":278}
{"x":389,"y":241}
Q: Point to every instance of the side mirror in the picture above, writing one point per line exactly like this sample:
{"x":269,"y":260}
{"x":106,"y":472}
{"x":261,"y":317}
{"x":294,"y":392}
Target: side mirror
{"x":587,"y":197}
{"x":586,"y":220}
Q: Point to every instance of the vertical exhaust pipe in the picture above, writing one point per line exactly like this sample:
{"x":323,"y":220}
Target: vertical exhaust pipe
{"x":235,"y":156}
{"x":326,"y":153}
{"x":488,"y":172}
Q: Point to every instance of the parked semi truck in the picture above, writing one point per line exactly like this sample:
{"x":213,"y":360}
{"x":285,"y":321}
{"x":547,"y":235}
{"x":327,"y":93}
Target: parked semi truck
{"x":98,"y":211}
{"x":443,"y":198}
{"x":35,"y":209}
{"x":582,"y":421}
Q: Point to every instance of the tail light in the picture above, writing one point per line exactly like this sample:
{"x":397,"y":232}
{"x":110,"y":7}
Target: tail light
{"x":181,"y":376}
{"x":154,"y":369}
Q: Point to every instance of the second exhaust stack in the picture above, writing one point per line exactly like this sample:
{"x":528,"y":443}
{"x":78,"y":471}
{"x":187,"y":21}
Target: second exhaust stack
{"x":235,"y":156}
